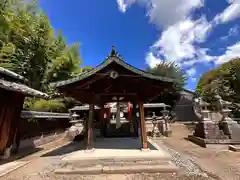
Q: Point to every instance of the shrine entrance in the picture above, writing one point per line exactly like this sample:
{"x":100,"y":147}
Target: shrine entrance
{"x":115,"y":81}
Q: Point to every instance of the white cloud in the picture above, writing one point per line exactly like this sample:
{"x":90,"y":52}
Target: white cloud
{"x":230,"y":13}
{"x":190,"y":62}
{"x":193,"y":79}
{"x":232,"y":32}
{"x":177,"y":42}
{"x":165,"y":12}
{"x":180,"y":33}
{"x":124,"y":4}
{"x":203,"y":56}
{"x":191,"y":72}
{"x":152,"y":60}
{"x":231,"y":52}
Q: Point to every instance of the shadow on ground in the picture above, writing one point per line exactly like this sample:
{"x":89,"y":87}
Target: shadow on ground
{"x":21,"y":154}
{"x":104,"y":143}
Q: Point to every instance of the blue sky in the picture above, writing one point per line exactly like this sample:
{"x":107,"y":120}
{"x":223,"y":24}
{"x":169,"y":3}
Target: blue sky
{"x":196,"y":34}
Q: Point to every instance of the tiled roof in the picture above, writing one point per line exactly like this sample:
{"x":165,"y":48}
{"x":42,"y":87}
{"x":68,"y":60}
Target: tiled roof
{"x":21,"y":88}
{"x":11,"y":74}
{"x":36,"y":114}
{"x":110,"y":59}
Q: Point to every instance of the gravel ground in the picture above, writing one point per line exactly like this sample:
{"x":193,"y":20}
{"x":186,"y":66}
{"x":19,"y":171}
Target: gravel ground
{"x":43,"y":167}
{"x":187,"y":165}
{"x":183,"y":155}
{"x":157,"y":176}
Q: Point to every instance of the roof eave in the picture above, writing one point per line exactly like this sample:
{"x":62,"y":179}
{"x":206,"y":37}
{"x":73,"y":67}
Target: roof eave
{"x":23,"y":89}
{"x":109,"y":60}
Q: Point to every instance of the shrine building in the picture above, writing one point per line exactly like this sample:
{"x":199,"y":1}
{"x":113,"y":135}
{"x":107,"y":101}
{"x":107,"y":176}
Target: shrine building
{"x":115,"y":81}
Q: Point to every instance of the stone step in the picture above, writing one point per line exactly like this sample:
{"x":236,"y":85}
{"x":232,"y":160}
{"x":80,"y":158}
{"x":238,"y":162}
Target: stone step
{"x":120,"y":169}
{"x":99,"y":160}
{"x":83,"y":164}
{"x":235,"y":148}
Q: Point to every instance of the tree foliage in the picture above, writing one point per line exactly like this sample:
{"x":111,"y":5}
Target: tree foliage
{"x":170,"y":70}
{"x":223,"y":80}
{"x":30,"y":47}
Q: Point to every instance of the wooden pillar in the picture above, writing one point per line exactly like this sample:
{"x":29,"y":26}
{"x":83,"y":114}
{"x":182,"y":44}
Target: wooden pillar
{"x":102,"y":120}
{"x":143,"y":128}
{"x":135,"y":120}
{"x":89,"y":145}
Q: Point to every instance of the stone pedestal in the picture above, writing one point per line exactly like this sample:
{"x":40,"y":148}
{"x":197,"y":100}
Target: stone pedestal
{"x":155,"y":131}
{"x":166,"y":127}
{"x":230,"y":127}
{"x":207,"y":129}
{"x":76,"y":129}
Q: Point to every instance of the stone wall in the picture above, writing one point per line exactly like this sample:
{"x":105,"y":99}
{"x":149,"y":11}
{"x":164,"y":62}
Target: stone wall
{"x":40,"y":140}
{"x":37,"y":127}
{"x":184,"y":109}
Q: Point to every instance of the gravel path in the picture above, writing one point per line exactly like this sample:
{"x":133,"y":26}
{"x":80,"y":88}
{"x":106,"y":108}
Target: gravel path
{"x":186,"y":164}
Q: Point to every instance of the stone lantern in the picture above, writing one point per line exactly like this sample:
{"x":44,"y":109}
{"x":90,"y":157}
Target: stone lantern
{"x":155,"y":131}
{"x":166,"y":130}
{"x":203,"y":106}
{"x":76,"y":127}
{"x":224,"y":110}
{"x":229,"y":126}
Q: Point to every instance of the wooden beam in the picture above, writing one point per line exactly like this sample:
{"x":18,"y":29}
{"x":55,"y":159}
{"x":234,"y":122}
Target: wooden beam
{"x":143,"y":127}
{"x":89,"y":145}
{"x":89,"y":82}
{"x":118,"y":94}
{"x":102,"y":120}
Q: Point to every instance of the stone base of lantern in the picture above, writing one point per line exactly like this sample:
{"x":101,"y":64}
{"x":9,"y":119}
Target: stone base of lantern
{"x":209,"y":130}
{"x":232,"y":129}
{"x":155,"y":135}
{"x":167,"y":133}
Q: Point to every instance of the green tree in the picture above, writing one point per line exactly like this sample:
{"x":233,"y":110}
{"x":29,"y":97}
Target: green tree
{"x":222,"y":80}
{"x":170,"y":70}
{"x":29,"y":47}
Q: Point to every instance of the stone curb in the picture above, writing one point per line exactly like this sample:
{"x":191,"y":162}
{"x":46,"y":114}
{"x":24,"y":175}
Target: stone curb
{"x":170,"y":168}
{"x":234,"y":148}
{"x":21,"y":164}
